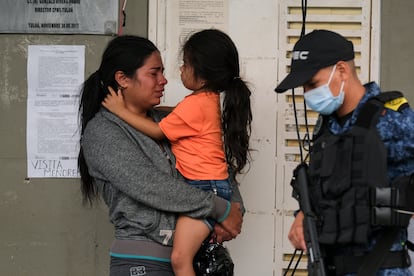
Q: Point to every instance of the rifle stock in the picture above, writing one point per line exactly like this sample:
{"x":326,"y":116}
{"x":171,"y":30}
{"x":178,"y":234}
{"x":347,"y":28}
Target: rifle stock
{"x":316,"y":266}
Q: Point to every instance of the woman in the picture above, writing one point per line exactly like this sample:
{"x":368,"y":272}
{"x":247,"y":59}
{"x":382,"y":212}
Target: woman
{"x":135,"y":174}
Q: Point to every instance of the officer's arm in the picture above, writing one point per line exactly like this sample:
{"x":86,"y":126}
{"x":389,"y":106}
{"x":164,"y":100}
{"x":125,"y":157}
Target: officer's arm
{"x":296,"y":236}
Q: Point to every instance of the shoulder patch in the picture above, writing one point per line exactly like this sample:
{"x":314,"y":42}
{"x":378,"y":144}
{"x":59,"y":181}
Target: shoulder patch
{"x":396,"y":104}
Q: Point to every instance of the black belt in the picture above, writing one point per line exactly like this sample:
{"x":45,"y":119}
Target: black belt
{"x":351,"y":264}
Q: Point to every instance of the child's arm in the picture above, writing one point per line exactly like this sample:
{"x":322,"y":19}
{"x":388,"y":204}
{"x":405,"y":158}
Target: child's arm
{"x":114,"y":102}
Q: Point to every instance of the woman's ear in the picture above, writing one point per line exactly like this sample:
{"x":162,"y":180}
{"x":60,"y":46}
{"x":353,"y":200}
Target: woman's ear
{"x":121,"y":79}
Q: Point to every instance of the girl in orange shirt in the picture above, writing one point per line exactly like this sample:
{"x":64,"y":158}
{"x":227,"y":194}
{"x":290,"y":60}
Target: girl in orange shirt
{"x":196,"y":127}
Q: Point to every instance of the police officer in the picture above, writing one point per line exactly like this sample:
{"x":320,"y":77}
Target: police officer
{"x":363,"y":144}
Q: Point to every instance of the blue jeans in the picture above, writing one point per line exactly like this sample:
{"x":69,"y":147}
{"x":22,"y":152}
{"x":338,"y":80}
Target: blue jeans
{"x":222,"y":188}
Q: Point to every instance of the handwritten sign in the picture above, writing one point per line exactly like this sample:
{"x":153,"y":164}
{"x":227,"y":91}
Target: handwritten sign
{"x":54,"y":76}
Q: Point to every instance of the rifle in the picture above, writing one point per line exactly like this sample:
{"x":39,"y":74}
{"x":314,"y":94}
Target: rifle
{"x":316,"y":266}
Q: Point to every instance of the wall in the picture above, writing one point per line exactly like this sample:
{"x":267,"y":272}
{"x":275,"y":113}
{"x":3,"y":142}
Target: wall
{"x":397,"y":57}
{"x":45,"y":230}
{"x":397,"y":42}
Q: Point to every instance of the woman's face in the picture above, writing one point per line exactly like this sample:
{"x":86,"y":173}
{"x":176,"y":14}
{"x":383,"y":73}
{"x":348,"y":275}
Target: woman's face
{"x":146,"y":88}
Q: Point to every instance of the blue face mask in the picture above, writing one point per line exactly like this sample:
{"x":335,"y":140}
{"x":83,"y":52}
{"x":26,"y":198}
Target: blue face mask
{"x":321,"y":99}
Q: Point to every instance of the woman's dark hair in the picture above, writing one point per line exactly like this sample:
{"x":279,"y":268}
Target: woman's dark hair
{"x":123,"y":53}
{"x":215,"y":59}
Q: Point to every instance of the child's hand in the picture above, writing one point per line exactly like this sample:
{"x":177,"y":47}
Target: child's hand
{"x":114,"y":101}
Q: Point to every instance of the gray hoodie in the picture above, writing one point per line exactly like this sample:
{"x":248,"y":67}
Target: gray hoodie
{"x":139,"y":184}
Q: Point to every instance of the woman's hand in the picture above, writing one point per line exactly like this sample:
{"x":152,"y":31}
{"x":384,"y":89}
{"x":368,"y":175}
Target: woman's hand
{"x":114,"y":102}
{"x":296,"y":236}
{"x":232,"y":224}
{"x":220,"y":234}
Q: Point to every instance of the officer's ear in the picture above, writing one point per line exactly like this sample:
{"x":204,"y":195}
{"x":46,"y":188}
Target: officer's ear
{"x":344,"y":69}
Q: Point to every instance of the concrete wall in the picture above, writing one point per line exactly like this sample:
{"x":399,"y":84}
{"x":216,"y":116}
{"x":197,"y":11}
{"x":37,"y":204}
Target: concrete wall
{"x":397,"y":44}
{"x":44,"y":229}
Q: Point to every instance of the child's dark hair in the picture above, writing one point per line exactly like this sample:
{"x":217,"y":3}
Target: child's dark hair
{"x":123,"y":53}
{"x":215,"y":59}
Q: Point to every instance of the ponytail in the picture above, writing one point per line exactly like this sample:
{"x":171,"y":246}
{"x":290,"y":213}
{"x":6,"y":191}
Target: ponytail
{"x":236,"y":121}
{"x":92,"y":94}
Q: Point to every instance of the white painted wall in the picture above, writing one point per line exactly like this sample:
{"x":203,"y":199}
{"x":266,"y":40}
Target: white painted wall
{"x":264,"y":32}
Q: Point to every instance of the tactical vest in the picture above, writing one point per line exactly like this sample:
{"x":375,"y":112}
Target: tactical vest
{"x":348,"y":179}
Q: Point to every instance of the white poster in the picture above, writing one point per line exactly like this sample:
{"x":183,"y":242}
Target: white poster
{"x":54,"y":76}
{"x":185,"y":17}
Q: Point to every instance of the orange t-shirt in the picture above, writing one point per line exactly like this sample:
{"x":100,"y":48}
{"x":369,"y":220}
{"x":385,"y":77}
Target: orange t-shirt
{"x":194,"y":130}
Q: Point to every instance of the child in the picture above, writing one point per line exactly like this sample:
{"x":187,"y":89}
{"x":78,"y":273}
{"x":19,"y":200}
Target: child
{"x":196,"y":127}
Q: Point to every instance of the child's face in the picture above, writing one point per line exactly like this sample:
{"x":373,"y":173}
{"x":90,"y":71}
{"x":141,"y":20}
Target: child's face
{"x":187,"y":77}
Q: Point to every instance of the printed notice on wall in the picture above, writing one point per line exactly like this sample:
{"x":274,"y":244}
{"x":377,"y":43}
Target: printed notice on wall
{"x":189,"y":16}
{"x":186,"y":17}
{"x":55,"y":74}
{"x":59,"y":16}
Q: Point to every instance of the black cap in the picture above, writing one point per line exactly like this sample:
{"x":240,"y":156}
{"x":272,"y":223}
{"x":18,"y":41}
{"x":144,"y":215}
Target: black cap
{"x":314,"y":51}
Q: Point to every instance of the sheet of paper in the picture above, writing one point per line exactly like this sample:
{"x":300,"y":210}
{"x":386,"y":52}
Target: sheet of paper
{"x":185,"y":17}
{"x":54,"y":76}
